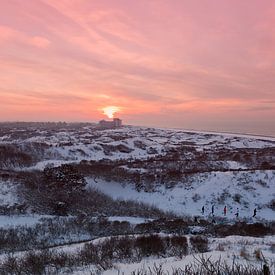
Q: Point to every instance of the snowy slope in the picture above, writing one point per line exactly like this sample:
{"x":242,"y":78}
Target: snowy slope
{"x":21,"y":220}
{"x":242,"y":190}
{"x":69,"y":145}
{"x":225,"y":249}
{"x":217,"y":158}
{"x":8,"y":193}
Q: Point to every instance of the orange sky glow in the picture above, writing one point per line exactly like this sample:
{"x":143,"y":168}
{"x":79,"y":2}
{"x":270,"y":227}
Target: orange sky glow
{"x":200,"y":64}
{"x":110,"y":111}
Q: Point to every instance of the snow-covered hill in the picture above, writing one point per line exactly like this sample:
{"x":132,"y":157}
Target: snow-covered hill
{"x":175,"y":170}
{"x":236,"y":190}
{"x":48,"y":146}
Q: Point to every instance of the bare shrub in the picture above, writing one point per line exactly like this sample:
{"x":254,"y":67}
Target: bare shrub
{"x":237,"y":198}
{"x":262,"y":183}
{"x":271,"y":204}
{"x":205,"y":266}
{"x":124,"y":248}
{"x":244,"y":254}
{"x":220,"y":247}
{"x":10,"y":265}
{"x":105,"y":254}
{"x":196,"y":197}
{"x":258,"y":254}
{"x":199,"y":243}
{"x":179,"y":246}
{"x":243,"y":229}
{"x":89,"y":254}
{"x":33,"y":263}
{"x":150,"y":245}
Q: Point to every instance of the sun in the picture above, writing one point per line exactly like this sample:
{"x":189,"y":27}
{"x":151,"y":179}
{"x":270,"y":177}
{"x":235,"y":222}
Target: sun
{"x":109,"y":111}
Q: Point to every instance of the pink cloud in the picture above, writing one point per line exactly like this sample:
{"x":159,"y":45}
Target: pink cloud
{"x":39,"y":42}
{"x":8,"y":35}
{"x":200,"y":63}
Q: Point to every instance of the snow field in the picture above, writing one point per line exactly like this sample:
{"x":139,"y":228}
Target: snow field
{"x":243,"y":190}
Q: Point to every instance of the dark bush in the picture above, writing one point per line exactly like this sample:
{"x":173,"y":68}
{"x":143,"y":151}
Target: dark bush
{"x":10,"y":265}
{"x":174,"y":226}
{"x":11,"y":156}
{"x":271,"y":205}
{"x":124,"y":248}
{"x":150,"y":245}
{"x":89,"y":254}
{"x":107,"y":249}
{"x":243,"y":229}
{"x":199,"y":243}
{"x":34,"y":263}
{"x":179,"y":246}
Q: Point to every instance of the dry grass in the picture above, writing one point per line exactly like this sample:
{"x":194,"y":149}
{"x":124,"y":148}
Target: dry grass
{"x":258,"y":254}
{"x":244,"y":253}
{"x":220,"y":247}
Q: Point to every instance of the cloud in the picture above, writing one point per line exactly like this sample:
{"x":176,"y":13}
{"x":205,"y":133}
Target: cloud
{"x":201,"y":59}
{"x":10,"y":35}
{"x":39,"y":42}
{"x":6,"y":33}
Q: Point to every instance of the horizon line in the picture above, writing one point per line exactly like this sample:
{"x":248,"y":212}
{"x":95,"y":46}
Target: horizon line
{"x":203,"y":131}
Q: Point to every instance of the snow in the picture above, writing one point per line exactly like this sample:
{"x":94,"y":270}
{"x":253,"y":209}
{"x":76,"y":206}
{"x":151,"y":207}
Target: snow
{"x":170,"y":264}
{"x":225,"y":249}
{"x":41,"y":165}
{"x":7,"y":221}
{"x":88,"y":143}
{"x":242,"y":190}
{"x":8,"y":193}
{"x":234,"y":165}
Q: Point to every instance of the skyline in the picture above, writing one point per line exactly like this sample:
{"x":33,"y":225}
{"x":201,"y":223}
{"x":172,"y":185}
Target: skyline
{"x":204,"y":65}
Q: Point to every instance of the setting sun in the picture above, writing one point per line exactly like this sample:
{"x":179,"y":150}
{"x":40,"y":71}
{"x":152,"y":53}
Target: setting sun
{"x":109,"y":111}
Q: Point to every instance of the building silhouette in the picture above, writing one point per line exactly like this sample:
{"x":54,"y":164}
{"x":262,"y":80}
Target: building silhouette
{"x":107,"y":124}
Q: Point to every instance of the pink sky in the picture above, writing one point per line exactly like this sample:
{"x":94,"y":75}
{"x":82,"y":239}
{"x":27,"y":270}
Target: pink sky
{"x":195,"y":64}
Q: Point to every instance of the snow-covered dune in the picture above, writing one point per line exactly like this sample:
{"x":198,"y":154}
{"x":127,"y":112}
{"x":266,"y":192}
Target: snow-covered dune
{"x":74,"y":145}
{"x":237,"y":190}
{"x":178,"y":170}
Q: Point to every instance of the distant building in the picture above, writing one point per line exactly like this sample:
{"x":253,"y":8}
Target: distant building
{"x":117,"y":122}
{"x":106,"y":124}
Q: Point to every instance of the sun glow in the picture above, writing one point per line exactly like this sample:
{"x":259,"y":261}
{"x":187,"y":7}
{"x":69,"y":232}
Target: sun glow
{"x":109,"y":111}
